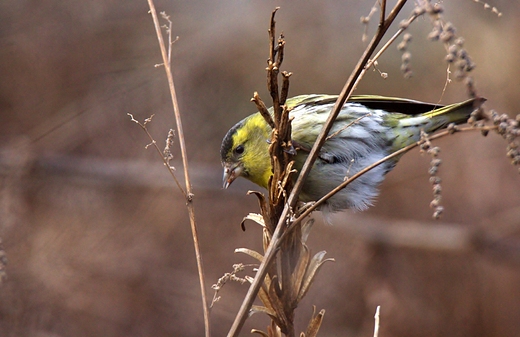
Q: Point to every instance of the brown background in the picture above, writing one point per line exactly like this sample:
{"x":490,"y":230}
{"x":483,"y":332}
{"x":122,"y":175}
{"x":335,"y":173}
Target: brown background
{"x":97,"y":236}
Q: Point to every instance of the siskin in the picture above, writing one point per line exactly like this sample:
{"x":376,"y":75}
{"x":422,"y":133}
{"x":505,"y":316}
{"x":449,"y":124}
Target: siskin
{"x":367,"y":129}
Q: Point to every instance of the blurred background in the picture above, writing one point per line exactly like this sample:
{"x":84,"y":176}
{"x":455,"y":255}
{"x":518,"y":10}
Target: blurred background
{"x":97,"y":235}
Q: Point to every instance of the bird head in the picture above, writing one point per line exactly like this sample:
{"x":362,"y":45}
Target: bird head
{"x":245,"y":152}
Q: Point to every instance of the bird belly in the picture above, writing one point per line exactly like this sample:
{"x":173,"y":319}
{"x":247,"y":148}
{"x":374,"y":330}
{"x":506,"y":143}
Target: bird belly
{"x":358,"y":195}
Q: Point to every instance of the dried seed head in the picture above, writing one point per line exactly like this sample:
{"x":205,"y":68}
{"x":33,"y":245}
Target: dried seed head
{"x":470,"y":83}
{"x":404,"y":24}
{"x":424,"y":146}
{"x":502,"y":128}
{"x":437,"y":189}
{"x":461,"y":64}
{"x":504,"y":118}
{"x":446,"y":36}
{"x":434,"y":35}
{"x":438,"y":212}
{"x":470,"y":65}
{"x":453,"y":49}
{"x":437,"y":8}
{"x":434,"y":151}
{"x":462,"y":53}
{"x":436,"y":162}
{"x":459,"y":75}
{"x":452,"y":128}
{"x":406,"y":57}
{"x":418,"y":11}
{"x":435,"y":180}
{"x":449,"y":27}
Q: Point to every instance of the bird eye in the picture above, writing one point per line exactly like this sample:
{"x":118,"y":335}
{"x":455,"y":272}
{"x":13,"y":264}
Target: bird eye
{"x":239,"y":149}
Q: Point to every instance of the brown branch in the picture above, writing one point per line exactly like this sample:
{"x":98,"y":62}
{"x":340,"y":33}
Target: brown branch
{"x":273,"y":66}
{"x":182,"y":144}
{"x":260,"y":105}
{"x":285,"y":87}
{"x":383,"y":13}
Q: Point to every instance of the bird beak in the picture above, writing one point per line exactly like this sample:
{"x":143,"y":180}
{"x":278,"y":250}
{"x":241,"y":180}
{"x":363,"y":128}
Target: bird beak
{"x":230,"y":174}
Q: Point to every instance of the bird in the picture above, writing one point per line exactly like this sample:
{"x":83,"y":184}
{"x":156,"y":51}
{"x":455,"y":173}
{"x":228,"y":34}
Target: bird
{"x":367,"y":129}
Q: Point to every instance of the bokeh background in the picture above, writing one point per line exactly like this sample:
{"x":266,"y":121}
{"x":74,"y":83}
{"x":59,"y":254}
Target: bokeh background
{"x":96,"y":233}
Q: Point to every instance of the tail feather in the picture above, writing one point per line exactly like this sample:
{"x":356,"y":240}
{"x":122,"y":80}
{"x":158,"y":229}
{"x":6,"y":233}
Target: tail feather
{"x":436,"y":119}
{"x":408,"y":130}
{"x":457,"y":113}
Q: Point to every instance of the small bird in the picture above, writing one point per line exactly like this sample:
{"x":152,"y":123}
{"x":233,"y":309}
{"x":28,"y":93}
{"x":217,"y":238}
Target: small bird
{"x":367,"y":129}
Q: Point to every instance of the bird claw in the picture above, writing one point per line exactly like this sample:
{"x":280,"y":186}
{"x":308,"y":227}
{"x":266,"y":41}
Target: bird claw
{"x":303,"y":206}
{"x":290,"y":149}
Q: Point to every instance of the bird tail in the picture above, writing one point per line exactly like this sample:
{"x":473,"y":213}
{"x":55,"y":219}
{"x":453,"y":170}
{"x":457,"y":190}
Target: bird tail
{"x":436,"y":119}
{"x":408,"y":128}
{"x":457,"y":113}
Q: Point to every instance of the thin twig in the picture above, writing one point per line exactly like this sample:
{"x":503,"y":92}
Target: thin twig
{"x":154,"y":143}
{"x":260,"y":105}
{"x":293,"y":197}
{"x":382,"y":13}
{"x":169,"y":31}
{"x":357,"y":120}
{"x":446,"y":83}
{"x":182,"y":144}
{"x":376,"y":321}
{"x":389,"y":42}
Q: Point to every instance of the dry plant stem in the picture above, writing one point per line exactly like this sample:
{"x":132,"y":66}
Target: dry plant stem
{"x":448,"y":81}
{"x":272,"y":68}
{"x":284,"y":292}
{"x":293,"y":197}
{"x":376,"y":321}
{"x":154,"y":143}
{"x":170,"y":25}
{"x":263,"y":109}
{"x":182,"y":144}
{"x":387,"y":44}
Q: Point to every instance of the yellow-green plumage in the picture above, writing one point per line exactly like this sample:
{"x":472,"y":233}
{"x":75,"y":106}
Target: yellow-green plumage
{"x":367,"y":129}
{"x":257,"y":132}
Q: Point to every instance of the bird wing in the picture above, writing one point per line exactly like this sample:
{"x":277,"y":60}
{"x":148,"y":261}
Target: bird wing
{"x":389,"y":104}
{"x":392,"y":104}
{"x":355,"y":132}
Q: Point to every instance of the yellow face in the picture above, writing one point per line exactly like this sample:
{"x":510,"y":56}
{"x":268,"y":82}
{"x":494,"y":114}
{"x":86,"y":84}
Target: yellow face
{"x":245,"y":152}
